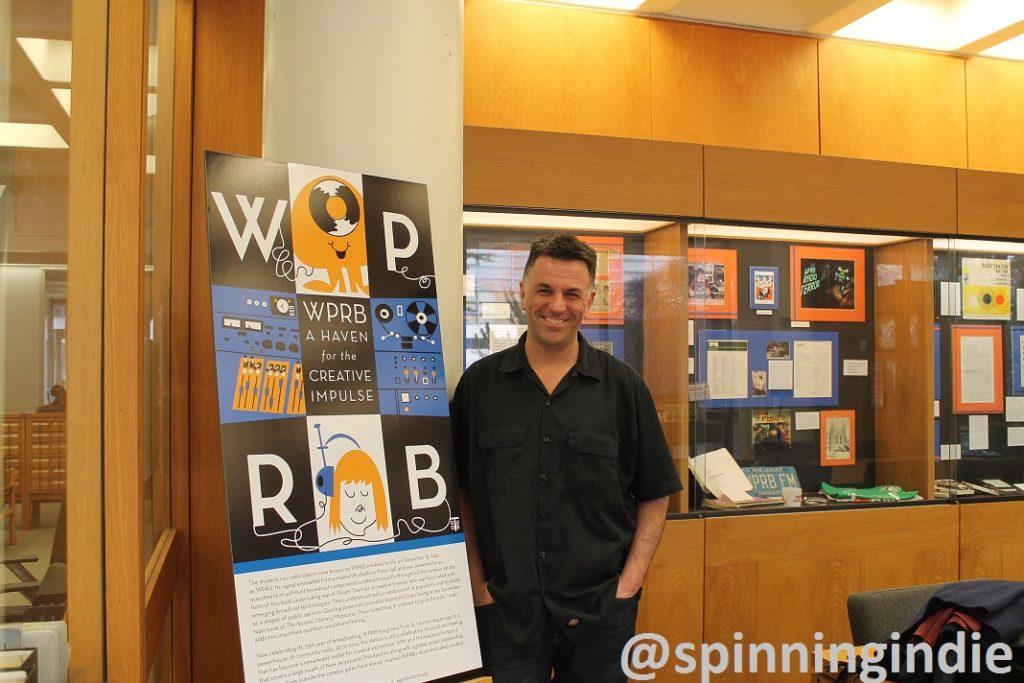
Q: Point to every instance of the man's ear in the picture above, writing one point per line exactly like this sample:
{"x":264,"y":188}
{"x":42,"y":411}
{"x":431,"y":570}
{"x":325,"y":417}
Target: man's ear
{"x":522,"y":295}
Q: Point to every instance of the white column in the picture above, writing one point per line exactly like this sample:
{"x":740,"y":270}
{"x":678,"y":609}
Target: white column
{"x":375,"y":86}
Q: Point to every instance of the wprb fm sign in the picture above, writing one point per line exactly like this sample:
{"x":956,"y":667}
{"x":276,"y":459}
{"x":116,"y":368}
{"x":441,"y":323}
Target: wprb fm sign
{"x":349,"y":556}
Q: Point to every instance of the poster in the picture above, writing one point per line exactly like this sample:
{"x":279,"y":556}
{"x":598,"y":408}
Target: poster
{"x":347,"y":547}
{"x":711,"y":283}
{"x":608,"y":280}
{"x":838,"y":438}
{"x":772,"y":430}
{"x":828,"y":284}
{"x":986,"y":288}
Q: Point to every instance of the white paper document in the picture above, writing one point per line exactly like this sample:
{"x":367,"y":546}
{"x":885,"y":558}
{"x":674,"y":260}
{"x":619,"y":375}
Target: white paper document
{"x":689,"y":332}
{"x":807,"y":420}
{"x":780,"y":375}
{"x":727,"y":368}
{"x":977,"y":434}
{"x":717,"y":471}
{"x":469,"y":285}
{"x":936,"y":409}
{"x":504,"y":336}
{"x":977,"y":370}
{"x":944,"y":299}
{"x":495,"y":311}
{"x":812,"y":369}
{"x":689,"y":365}
{"x":855,"y":368}
{"x":1015,"y":436}
{"x":1015,"y":408}
{"x":1020,"y":304}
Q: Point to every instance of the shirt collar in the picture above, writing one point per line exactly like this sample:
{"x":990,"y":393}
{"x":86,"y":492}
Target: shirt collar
{"x":586,"y":361}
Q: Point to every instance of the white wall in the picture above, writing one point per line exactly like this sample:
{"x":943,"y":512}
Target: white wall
{"x":375,"y":86}
{"x":22,"y":316}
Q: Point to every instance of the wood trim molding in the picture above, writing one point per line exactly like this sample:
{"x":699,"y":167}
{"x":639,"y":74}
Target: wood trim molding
{"x":990,"y":204}
{"x":85,"y":339}
{"x":805,"y":189}
{"x":565,"y":171}
{"x":181,"y":211}
{"x":122,"y":334}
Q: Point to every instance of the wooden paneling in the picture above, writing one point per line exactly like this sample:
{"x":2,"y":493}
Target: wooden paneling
{"x":181,"y":622}
{"x":990,"y":204}
{"x":665,"y":369}
{"x":672,"y":603}
{"x":85,"y":339}
{"x":562,"y":171}
{"x":991,"y":542}
{"x":892,"y":104}
{"x":557,"y":69}
{"x":226,"y":124}
{"x":723,"y":86}
{"x":779,"y":578}
{"x":995,"y":115}
{"x":804,"y":189}
{"x":904,"y":366}
{"x":161,"y":579}
{"x":123,"y":315}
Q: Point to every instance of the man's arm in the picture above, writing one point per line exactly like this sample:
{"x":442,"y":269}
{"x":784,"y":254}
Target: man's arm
{"x":650,"y":522}
{"x":477,"y":580}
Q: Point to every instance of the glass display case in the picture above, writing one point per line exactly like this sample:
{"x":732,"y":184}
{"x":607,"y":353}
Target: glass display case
{"x":979,"y":306}
{"x":846,"y":366}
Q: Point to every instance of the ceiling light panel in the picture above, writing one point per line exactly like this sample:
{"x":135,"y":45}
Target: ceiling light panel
{"x":51,"y":58}
{"x":944,"y":25}
{"x":1010,"y":49}
{"x":622,"y":5}
{"x":36,"y":135}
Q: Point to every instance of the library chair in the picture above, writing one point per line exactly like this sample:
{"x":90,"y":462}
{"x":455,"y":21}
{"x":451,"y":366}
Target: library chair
{"x":47,"y":596}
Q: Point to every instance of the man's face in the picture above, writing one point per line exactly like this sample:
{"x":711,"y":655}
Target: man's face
{"x":358,"y":511}
{"x":555,"y":295}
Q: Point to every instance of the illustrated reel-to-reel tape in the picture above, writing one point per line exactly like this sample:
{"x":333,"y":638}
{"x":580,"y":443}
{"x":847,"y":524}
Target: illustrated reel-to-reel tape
{"x":418,"y":317}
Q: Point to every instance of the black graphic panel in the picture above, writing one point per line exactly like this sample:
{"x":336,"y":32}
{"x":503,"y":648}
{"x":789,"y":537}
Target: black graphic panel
{"x":418,"y":452}
{"x":338,"y":365}
{"x":400,"y":256}
{"x":271,"y":507}
{"x":249,"y":222}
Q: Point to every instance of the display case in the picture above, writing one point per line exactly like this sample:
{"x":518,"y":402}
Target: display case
{"x":850,"y":366}
{"x":979,"y":294}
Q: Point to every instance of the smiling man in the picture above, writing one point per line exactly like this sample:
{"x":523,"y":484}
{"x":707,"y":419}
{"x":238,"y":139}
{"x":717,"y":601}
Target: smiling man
{"x":566,"y":476}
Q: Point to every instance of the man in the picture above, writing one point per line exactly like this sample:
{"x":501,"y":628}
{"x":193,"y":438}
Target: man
{"x":566,"y":476}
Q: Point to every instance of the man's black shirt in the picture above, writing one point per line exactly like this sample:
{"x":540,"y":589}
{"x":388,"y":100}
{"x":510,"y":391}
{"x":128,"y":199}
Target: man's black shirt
{"x":555,"y":482}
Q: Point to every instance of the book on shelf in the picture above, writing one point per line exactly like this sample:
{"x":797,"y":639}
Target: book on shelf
{"x":727,"y":504}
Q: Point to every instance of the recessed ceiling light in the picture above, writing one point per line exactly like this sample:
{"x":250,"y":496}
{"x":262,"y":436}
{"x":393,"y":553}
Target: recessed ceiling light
{"x":63,"y":96}
{"x":529,"y":221}
{"x":1009,"y":49}
{"x":38,"y":135}
{"x":945,"y":25}
{"x":52,"y":58}
{"x":624,"y":5}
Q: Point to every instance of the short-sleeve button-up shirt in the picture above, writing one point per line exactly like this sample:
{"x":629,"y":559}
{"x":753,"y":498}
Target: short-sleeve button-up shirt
{"x":555,"y":481}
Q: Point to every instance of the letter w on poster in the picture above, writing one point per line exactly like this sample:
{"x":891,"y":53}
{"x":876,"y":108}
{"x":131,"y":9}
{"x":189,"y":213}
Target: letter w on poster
{"x":348,"y":551}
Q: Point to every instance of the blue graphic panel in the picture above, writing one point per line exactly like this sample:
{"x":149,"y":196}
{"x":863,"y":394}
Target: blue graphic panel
{"x":405,"y":325}
{"x":757,"y":360}
{"x":411,"y":383}
{"x":610,"y":339}
{"x":256,"y":338}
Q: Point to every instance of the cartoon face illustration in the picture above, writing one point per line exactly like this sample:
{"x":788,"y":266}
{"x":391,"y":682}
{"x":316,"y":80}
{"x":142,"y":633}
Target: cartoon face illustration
{"x":358,"y":512}
{"x":328,"y":233}
{"x":358,"y":501}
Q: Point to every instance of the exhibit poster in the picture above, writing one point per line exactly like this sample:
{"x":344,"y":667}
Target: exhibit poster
{"x":828,"y":283}
{"x":772,"y":430}
{"x":986,"y":288}
{"x":608,"y":281}
{"x":348,"y":554}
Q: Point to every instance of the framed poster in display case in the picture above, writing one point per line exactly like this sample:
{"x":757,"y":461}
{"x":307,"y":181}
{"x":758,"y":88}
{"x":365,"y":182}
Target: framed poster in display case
{"x":764,"y":287}
{"x":977,"y":369}
{"x":828,"y":284}
{"x":838,"y":437}
{"x":711,"y":283}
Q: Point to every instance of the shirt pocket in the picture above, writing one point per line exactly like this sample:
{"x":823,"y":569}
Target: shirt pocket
{"x":591,"y":467}
{"x":504,"y":451}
